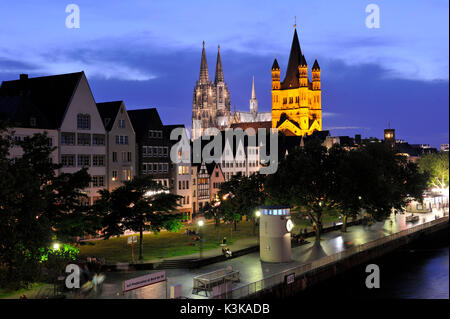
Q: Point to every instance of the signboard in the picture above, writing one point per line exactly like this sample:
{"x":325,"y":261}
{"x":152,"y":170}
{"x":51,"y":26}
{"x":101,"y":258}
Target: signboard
{"x":132,"y":239}
{"x":143,"y":281}
{"x":289,"y":279}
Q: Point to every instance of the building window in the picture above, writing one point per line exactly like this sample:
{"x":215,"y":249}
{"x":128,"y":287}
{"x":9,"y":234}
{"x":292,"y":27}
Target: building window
{"x":121,"y":123}
{"x":98,"y":181}
{"x":114,"y":157}
{"x":121,"y":139}
{"x":83,"y":139}
{"x":285,"y":100}
{"x":114,"y":175}
{"x":297,"y":99}
{"x":126,"y":174}
{"x":165,"y":151}
{"x":68,"y":160}
{"x":98,"y":160}
{"x":144,"y":151}
{"x":84,"y":160}
{"x":129,"y":156}
{"x":98,"y":139}
{"x":68,"y":138}
{"x":83,"y":121}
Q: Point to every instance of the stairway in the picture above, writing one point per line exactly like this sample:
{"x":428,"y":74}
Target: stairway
{"x":176,"y":263}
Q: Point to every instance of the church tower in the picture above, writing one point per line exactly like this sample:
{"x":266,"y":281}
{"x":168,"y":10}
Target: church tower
{"x":211,"y":101}
{"x":222,"y":95}
{"x":253,"y":101}
{"x":296,"y":102}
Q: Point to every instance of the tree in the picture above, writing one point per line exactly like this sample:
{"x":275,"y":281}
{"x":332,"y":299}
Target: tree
{"x":211,"y":211}
{"x":437,"y":168}
{"x":393,"y":181}
{"x":35,"y":208}
{"x":305,"y":178}
{"x":240,"y":196}
{"x":375,"y":179}
{"x":139,"y":205}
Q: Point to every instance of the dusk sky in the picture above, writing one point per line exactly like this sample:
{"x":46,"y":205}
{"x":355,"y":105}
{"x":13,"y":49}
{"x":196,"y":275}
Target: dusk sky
{"x":147,"y":53}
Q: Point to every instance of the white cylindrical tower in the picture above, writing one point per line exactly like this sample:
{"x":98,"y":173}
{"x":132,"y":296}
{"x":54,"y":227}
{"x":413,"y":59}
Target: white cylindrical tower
{"x":275,"y":234}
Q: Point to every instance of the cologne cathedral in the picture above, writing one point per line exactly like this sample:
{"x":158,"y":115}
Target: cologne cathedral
{"x":211,"y":102}
{"x":211,"y":105}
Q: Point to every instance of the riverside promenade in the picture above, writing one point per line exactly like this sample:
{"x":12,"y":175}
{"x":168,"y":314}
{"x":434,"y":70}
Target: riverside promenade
{"x":250,"y":266}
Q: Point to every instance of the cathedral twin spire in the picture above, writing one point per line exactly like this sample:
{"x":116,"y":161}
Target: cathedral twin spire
{"x":204,"y":74}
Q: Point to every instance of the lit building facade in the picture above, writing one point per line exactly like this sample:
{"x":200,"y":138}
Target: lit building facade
{"x":297,"y":101}
{"x":120,"y":143}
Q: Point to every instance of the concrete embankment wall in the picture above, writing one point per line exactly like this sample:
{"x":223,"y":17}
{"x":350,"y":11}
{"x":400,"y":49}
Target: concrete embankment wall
{"x":323,"y":273}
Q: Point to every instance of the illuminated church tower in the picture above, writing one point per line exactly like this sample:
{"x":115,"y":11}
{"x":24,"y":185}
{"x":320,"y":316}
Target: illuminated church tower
{"x":211,"y":101}
{"x":296,"y":102}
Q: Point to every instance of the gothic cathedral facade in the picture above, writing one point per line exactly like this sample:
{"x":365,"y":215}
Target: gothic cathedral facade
{"x":211,"y":106}
{"x":296,"y":102}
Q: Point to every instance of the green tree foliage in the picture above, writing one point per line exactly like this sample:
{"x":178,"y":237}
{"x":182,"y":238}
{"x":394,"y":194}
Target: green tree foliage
{"x":36,"y":207}
{"x":436,"y":166}
{"x":306,"y":178}
{"x":241,"y":196}
{"x":139,"y":205}
{"x":372,"y":178}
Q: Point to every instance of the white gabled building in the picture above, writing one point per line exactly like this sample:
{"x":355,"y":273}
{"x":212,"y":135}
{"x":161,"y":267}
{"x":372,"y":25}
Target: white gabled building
{"x":121,"y":156}
{"x":64,"y":106}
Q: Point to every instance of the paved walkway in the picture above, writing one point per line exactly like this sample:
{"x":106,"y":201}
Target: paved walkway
{"x":250,"y":266}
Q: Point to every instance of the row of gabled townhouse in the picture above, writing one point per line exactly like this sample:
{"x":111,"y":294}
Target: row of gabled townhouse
{"x":113,"y":143}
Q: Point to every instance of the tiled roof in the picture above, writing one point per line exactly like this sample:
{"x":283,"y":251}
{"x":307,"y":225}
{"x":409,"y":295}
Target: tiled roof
{"x":109,"y":110}
{"x":50,"y":94}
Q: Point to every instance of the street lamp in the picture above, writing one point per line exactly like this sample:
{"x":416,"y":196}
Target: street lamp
{"x":200,"y":224}
{"x":55,"y":246}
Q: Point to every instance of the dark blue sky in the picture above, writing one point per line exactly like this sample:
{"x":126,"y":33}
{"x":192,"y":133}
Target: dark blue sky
{"x":147,"y":53}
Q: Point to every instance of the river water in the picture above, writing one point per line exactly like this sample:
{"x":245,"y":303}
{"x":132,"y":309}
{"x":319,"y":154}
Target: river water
{"x":418,"y":270}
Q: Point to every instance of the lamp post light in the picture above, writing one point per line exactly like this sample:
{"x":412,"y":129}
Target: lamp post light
{"x":55,"y":246}
{"x":200,"y":224}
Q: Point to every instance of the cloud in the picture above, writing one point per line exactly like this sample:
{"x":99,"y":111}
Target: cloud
{"x":329,"y":114}
{"x":345,"y":128}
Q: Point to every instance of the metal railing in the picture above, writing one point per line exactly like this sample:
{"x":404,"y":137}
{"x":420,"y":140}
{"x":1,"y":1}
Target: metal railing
{"x":276,"y":279}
